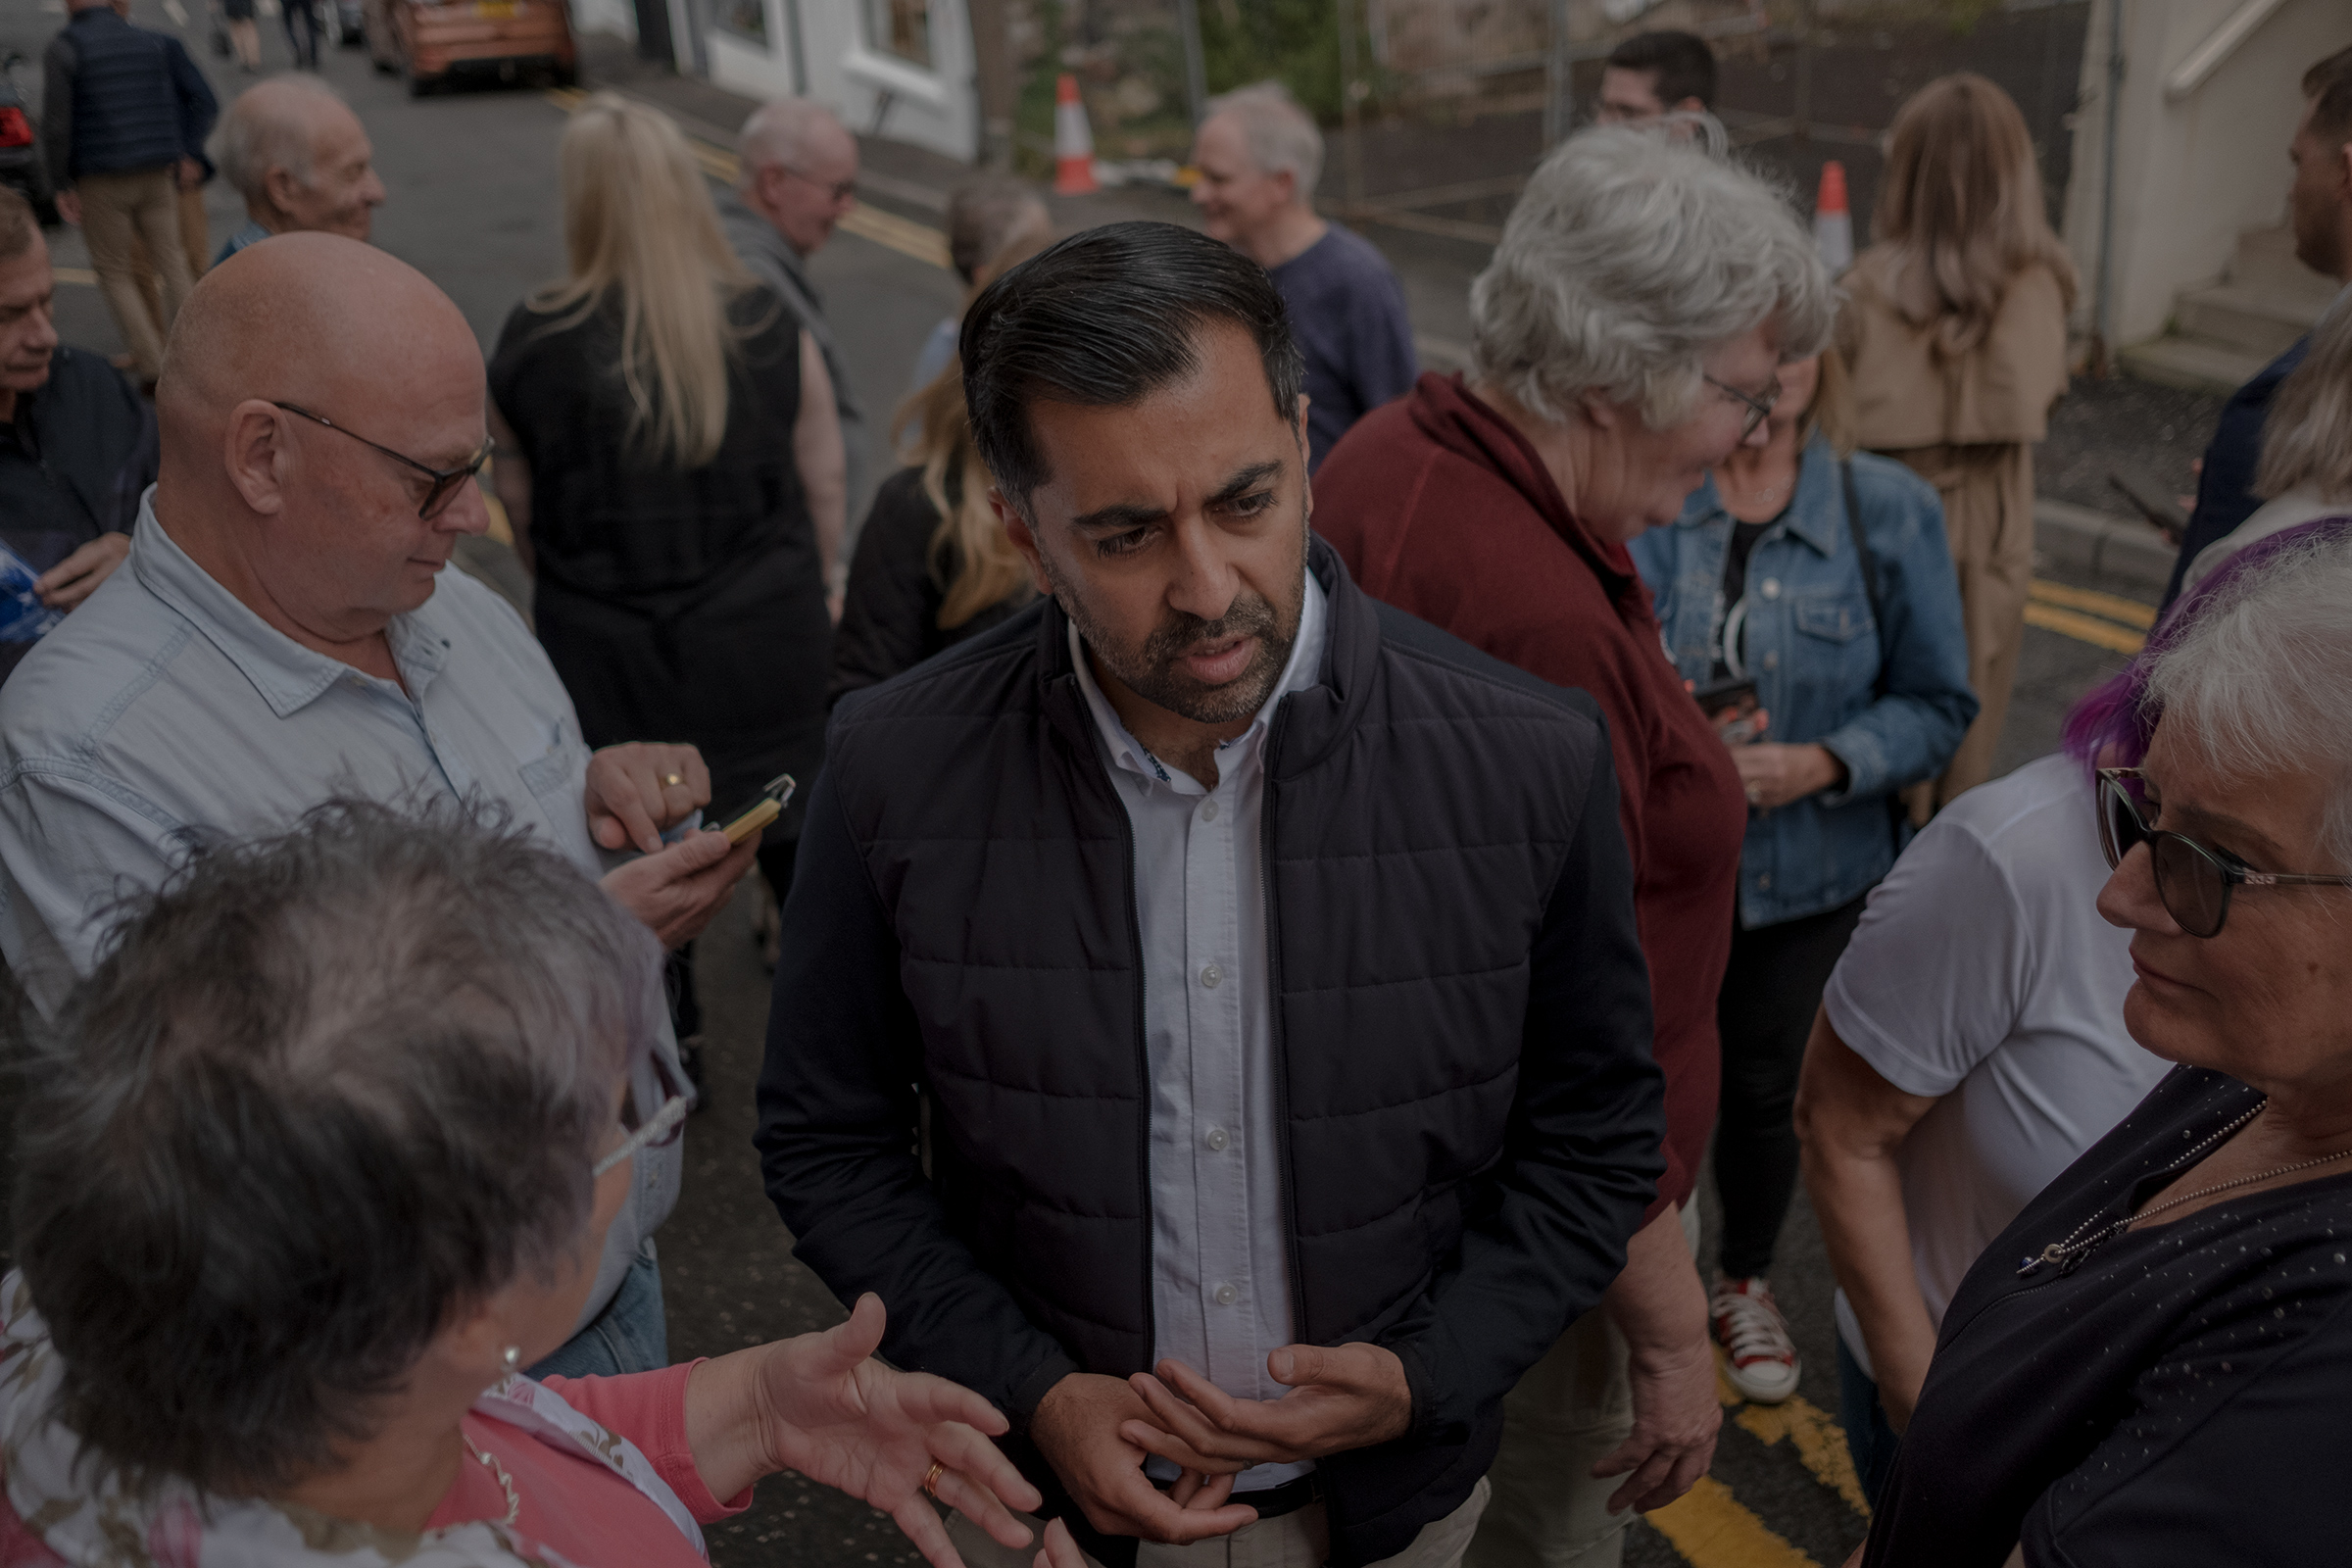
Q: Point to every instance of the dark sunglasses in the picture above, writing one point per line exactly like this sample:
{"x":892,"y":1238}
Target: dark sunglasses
{"x":1759,"y":409}
{"x":2193,"y":882}
{"x":445,"y":484}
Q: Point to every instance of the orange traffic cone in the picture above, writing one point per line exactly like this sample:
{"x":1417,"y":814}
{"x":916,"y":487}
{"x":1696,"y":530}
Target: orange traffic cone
{"x":1832,"y":225}
{"x":1073,"y":143}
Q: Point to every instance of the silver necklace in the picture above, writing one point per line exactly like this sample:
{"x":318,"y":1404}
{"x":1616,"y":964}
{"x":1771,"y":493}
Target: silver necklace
{"x":2076,"y":1248}
{"x":506,"y":1482}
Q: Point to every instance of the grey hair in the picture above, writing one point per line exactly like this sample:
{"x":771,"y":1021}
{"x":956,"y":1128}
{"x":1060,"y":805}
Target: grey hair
{"x":252,"y":141}
{"x":320,"y":1093}
{"x":2255,"y":683}
{"x":2307,"y":438}
{"x":1281,"y":137}
{"x":986,"y":216}
{"x":1629,"y":256}
{"x":779,"y":132}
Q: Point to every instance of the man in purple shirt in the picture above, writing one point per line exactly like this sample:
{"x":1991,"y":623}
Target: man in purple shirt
{"x":1259,"y":153}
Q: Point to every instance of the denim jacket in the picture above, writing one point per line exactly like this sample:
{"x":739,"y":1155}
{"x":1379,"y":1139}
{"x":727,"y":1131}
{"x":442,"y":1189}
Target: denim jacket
{"x":1815,"y":658}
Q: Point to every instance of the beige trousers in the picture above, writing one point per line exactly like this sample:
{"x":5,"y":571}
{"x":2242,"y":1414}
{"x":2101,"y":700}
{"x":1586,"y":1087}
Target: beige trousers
{"x":1568,"y":1413}
{"x":121,"y":215}
{"x":1301,"y":1540}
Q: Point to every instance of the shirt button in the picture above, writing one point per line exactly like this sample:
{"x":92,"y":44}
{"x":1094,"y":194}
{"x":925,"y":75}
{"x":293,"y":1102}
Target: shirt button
{"x":1765,"y":880}
{"x":1217,"y":1138}
{"x":1226,"y":1296}
{"x":1772,"y":660}
{"x":1208,"y":811}
{"x":1772,"y":587}
{"x":1212,"y":977}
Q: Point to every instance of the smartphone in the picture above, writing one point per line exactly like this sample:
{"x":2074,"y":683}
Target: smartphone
{"x":760,"y":811}
{"x":1731,"y":706}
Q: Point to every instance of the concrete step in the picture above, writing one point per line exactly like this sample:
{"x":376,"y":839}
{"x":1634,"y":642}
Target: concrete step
{"x":2265,"y":260}
{"x":2196,"y":363}
{"x":2259,"y":320}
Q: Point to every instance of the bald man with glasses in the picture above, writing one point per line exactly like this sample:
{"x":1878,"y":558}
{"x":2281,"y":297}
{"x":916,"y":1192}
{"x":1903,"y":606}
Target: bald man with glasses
{"x":284,"y":632}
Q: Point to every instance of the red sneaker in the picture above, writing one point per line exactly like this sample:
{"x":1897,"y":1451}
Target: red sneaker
{"x":1759,"y":1355}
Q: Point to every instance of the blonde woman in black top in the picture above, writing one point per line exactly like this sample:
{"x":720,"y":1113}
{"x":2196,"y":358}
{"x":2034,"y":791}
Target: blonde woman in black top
{"x":671,"y":464}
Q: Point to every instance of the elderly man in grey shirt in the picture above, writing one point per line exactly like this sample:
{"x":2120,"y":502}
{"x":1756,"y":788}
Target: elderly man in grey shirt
{"x":283,"y":634}
{"x":798,"y":175}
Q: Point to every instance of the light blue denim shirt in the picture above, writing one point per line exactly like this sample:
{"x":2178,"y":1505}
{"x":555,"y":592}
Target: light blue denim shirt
{"x":164,"y":711}
{"x":1815,"y":658}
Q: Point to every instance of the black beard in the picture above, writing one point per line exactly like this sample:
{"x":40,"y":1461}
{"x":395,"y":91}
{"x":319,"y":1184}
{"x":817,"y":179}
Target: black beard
{"x":1152,"y":673}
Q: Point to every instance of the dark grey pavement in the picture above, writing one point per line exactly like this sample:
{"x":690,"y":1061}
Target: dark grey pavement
{"x":473,"y":203}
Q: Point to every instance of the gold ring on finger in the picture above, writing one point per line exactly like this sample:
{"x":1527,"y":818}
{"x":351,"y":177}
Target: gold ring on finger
{"x":931,"y":1481}
{"x":673,"y":780}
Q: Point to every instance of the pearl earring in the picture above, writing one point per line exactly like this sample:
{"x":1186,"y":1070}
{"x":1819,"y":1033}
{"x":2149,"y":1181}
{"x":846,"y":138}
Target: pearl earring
{"x":513,"y":1357}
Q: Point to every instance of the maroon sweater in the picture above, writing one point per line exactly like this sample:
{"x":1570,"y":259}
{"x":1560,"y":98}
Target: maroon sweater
{"x":1444,"y":509}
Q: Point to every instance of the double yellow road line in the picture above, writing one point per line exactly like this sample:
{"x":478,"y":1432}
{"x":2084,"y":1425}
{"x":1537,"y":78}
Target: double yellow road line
{"x":2104,"y":621}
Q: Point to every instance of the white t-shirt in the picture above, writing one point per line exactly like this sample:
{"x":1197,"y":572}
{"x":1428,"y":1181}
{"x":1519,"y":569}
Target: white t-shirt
{"x":1981,"y":974}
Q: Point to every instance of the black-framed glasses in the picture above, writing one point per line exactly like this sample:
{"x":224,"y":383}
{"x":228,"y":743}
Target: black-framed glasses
{"x":1759,"y":409}
{"x":445,"y":484}
{"x":2193,"y":882}
{"x":841,"y":191}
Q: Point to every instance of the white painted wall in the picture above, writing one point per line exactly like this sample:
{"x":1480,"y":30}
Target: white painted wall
{"x":619,"y":17}
{"x":938,"y":107}
{"x":2192,"y":173}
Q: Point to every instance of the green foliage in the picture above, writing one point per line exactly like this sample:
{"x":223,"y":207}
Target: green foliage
{"x":1296,"y":42}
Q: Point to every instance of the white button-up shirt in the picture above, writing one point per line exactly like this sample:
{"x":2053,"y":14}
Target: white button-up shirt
{"x":1220,"y":1258}
{"x":163,"y":710}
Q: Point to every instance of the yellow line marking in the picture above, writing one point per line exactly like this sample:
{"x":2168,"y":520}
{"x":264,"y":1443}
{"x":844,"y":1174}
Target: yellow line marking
{"x":2084,"y":628}
{"x":1712,"y":1528}
{"x":2131,"y":612}
{"x":908,"y":238}
{"x":74,"y":274}
{"x":1819,"y":1442}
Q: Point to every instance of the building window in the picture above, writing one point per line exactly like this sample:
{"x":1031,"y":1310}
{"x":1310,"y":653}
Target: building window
{"x":901,"y":27}
{"x":746,"y":18}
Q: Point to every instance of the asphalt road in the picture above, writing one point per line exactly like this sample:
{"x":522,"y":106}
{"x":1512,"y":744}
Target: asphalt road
{"x":473,"y":204}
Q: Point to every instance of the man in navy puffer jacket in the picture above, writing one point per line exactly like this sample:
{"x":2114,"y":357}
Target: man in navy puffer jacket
{"x":123,"y":116}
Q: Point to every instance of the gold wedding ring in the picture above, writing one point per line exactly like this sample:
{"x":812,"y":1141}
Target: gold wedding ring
{"x":673,"y":779}
{"x":931,"y":1481}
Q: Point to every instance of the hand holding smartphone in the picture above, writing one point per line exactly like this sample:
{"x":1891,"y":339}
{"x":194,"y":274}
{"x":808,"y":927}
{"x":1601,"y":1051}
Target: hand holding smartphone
{"x":1732,"y":707}
{"x":760,"y":811}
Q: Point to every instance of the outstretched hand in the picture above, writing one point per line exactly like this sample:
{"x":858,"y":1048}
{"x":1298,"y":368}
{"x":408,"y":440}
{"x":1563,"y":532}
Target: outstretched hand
{"x":1342,"y":1398}
{"x":841,"y":1418}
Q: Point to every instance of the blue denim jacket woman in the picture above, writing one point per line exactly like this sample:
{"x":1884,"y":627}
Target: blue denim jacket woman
{"x":1815,"y":657}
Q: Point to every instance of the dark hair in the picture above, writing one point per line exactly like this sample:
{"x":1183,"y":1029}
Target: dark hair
{"x":2328,"y":87}
{"x":17,"y":225}
{"x":319,"y":1092}
{"x":1106,"y":318}
{"x":1684,"y":65}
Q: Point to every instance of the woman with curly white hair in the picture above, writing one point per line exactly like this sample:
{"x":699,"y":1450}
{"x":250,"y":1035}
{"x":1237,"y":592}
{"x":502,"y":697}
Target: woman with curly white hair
{"x":1629,"y":337}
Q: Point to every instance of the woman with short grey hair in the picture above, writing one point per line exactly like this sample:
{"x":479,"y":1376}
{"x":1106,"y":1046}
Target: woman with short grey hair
{"x":2150,"y":1365}
{"x":322,"y":1152}
{"x":1627,"y":338}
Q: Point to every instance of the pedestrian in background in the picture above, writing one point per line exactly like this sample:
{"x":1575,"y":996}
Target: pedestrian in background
{"x":1955,"y":330}
{"x":934,"y":567}
{"x":986,"y":218}
{"x":1820,"y":575}
{"x":1259,"y":156}
{"x":301,"y":18}
{"x":796,"y":178}
{"x":2319,"y":210}
{"x":244,"y":35}
{"x":1629,"y":333}
{"x":672,"y":470}
{"x":2149,"y":1366}
{"x":1653,"y":74}
{"x":123,"y":116}
{"x":77,"y":447}
{"x":301,"y":159}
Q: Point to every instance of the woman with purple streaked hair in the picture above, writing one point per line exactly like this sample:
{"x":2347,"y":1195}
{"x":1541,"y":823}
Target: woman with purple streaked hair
{"x":2149,"y":1365}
